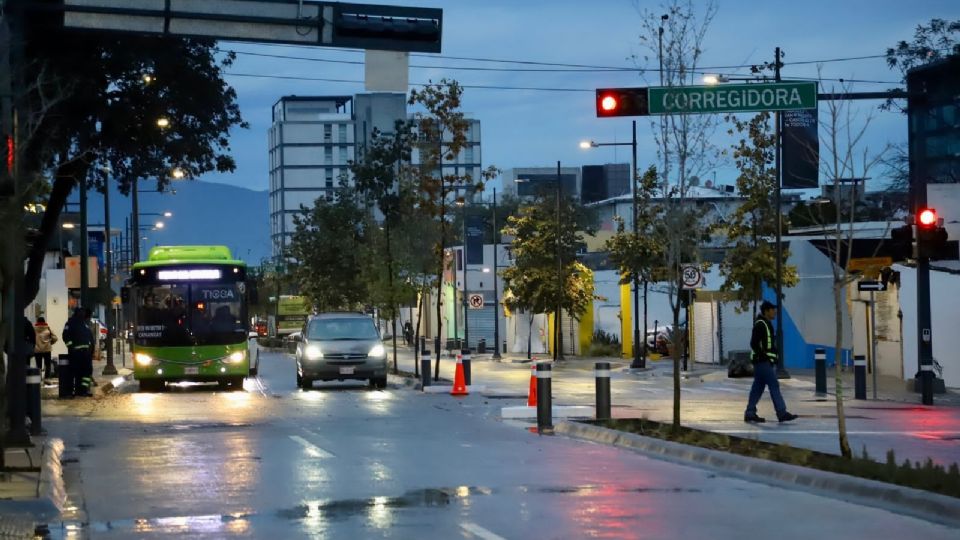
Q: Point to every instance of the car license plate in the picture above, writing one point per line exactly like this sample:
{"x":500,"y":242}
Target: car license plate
{"x":346,"y":370}
{"x":194,"y":370}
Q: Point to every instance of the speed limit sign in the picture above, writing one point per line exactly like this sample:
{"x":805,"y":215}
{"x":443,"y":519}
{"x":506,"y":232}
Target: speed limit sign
{"x":692,"y":276}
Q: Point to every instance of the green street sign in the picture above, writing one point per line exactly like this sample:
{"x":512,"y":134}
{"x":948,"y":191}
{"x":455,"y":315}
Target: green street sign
{"x":781,"y":96}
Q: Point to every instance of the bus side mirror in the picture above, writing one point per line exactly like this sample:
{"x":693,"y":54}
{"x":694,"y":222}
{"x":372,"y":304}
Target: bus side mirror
{"x":125,"y":294}
{"x":254,"y":297}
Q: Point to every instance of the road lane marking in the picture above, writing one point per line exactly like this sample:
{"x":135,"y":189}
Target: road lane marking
{"x":480,"y":532}
{"x":312,"y":449}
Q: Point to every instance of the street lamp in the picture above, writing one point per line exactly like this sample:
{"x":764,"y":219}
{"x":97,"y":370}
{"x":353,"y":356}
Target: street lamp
{"x":462,"y":203}
{"x":639,"y":353}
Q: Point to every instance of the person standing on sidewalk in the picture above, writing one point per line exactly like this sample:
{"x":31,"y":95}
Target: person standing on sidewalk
{"x":41,"y":352}
{"x":763,"y":354}
{"x":79,"y":341}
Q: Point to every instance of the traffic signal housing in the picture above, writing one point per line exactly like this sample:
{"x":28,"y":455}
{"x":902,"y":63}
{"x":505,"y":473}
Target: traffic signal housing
{"x":622,"y":102}
{"x":932,"y":241}
{"x":901,"y":243}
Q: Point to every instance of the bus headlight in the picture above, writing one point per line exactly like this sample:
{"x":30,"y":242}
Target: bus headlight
{"x":312,"y":352}
{"x":377,"y":351}
{"x":143,"y":359}
{"x":237,"y":357}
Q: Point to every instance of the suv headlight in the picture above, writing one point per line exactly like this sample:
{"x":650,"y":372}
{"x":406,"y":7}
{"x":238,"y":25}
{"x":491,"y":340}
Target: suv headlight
{"x":237,"y":357}
{"x":377,"y":351}
{"x":143,"y":359}
{"x":313,"y":352}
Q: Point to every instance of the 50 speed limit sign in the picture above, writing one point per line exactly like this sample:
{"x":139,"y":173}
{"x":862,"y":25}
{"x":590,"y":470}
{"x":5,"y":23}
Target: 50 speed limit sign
{"x":692,"y":276}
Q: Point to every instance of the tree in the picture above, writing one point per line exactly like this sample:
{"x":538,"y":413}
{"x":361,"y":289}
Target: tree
{"x":441,"y":135}
{"x":844,"y":155}
{"x":111,"y":90}
{"x":640,"y":255}
{"x":377,"y":177}
{"x":684,"y":148}
{"x":750,"y":259}
{"x":327,"y":244}
{"x":546,"y":275}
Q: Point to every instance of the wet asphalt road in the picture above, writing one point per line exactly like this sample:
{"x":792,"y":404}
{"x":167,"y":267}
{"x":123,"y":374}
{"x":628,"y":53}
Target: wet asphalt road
{"x":344,"y":461}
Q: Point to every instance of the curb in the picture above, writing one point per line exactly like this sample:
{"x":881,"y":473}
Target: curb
{"x":898,"y":499}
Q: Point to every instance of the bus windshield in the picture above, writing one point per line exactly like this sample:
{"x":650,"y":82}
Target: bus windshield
{"x":185,"y":314}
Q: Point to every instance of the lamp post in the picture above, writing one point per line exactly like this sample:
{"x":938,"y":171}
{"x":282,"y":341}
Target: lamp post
{"x":639,"y":353}
{"x":462,"y":203}
{"x":496,"y":299}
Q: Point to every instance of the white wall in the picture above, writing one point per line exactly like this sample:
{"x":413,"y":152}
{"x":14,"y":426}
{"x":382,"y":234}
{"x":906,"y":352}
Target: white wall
{"x":945,"y":311}
{"x":810,"y":303}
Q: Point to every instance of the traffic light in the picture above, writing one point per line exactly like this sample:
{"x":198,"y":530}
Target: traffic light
{"x":932,"y":239}
{"x":7,"y":153}
{"x":622,"y":102}
{"x":901,"y":243}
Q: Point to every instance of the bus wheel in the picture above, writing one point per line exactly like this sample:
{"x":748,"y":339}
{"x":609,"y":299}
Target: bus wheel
{"x":378,"y":383}
{"x":236,"y":383}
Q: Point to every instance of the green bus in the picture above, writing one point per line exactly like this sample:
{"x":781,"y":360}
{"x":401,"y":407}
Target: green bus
{"x":189,"y":311}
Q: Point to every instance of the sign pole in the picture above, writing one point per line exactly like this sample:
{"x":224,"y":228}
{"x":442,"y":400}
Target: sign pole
{"x":781,"y":370}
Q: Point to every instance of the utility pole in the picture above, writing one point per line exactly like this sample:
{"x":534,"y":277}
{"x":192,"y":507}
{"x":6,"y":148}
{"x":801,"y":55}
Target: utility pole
{"x":110,"y":368}
{"x":639,"y":358}
{"x":496,"y":298}
{"x":135,"y":220}
{"x":84,"y":248}
{"x":557,"y":334}
{"x":781,"y":371}
{"x":463,"y":300}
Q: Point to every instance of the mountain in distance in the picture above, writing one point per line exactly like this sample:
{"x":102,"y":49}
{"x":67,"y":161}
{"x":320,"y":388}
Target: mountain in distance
{"x":204,"y":213}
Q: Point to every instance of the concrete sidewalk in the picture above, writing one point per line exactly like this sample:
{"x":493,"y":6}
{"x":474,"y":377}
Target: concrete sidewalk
{"x":711,"y":401}
{"x":31,"y":488}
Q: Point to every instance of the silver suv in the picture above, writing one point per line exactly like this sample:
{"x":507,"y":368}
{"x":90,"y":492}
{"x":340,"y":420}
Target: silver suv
{"x":341,"y":346}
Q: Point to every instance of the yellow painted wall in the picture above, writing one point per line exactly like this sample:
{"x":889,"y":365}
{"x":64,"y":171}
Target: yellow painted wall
{"x":550,"y":333}
{"x":585,"y":330}
{"x":626,"y":321}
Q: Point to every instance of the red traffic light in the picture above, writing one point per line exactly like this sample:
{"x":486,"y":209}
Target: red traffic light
{"x":11,"y":152}
{"x":927,"y":217}
{"x":622,"y":102}
{"x":608,"y":103}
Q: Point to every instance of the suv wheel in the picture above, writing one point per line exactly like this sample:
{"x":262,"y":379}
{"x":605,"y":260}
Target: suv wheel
{"x":378,"y":383}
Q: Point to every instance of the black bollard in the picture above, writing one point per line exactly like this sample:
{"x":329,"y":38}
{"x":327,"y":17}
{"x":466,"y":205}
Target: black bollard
{"x":601,"y":371}
{"x":64,"y":376}
{"x":33,"y":400}
{"x":544,"y":401}
{"x":859,"y":377}
{"x":820,"y":366}
{"x":425,"y":368}
{"x":465,"y":353}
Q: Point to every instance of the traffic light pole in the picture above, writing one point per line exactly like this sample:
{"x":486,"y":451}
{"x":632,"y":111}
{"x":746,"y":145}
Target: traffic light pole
{"x":781,"y":370}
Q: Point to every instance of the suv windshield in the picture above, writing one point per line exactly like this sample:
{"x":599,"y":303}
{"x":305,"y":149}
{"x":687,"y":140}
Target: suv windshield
{"x":353,"y":328}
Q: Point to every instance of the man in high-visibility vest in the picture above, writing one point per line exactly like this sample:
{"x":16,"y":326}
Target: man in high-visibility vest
{"x":763,"y":354}
{"x":79,"y":341}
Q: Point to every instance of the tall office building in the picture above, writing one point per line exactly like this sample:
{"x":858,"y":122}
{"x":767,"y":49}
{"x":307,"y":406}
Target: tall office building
{"x":313,"y":139}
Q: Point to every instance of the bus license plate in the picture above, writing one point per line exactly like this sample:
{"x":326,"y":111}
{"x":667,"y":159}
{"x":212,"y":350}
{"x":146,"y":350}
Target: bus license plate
{"x":346,"y":370}
{"x":192,"y":370}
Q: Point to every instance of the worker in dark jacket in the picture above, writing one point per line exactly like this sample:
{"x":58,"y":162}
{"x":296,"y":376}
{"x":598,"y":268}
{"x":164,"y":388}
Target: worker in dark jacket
{"x":763,"y":354}
{"x":79,"y":341}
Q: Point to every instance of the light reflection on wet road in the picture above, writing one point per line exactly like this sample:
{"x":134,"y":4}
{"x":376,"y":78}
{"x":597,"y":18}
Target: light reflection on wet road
{"x":343,"y":461}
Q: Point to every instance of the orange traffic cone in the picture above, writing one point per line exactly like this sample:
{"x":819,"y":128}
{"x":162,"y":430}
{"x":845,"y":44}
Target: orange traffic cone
{"x":532,"y":396}
{"x":459,"y":385}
